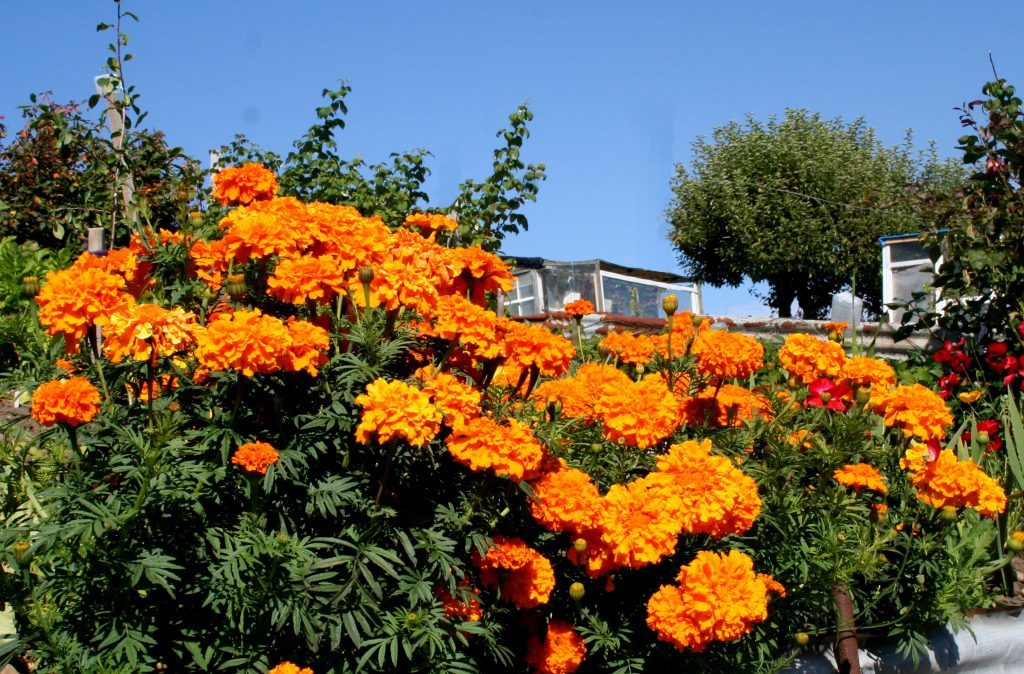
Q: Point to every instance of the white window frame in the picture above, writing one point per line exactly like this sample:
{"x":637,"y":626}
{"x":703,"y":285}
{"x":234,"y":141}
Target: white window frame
{"x":888,"y":269}
{"x":538,"y":293}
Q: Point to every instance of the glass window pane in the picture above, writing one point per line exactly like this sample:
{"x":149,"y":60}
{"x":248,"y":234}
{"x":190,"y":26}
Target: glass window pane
{"x":564,"y":283}
{"x":631,"y":298}
{"x":906,"y":282}
{"x":911,"y":250}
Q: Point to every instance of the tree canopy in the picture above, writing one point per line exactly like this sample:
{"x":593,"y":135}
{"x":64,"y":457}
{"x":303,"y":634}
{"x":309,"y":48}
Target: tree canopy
{"x":798,"y":203}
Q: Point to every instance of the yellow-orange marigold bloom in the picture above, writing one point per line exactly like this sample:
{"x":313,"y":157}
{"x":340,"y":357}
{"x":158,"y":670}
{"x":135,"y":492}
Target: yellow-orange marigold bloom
{"x":727,"y":355}
{"x":290,"y":668}
{"x":867,"y":371}
{"x":561,"y":652}
{"x":836,"y":327}
{"x":307,"y":277}
{"x":948,"y":481}
{"x":732,"y":406}
{"x":640,"y":415}
{"x":255,"y":457}
{"x":525,"y":576}
{"x":396,"y":411}
{"x":244,"y":184}
{"x":861,"y":476}
{"x":916,"y":410}
{"x":457,"y":401}
{"x":629,"y":348}
{"x":565,"y":499}
{"x":72,"y":301}
{"x":579,"y":308}
{"x":716,"y":497}
{"x":72,"y":401}
{"x":142,"y":331}
{"x":810,"y":358}
{"x":719,"y":598}
{"x":968,"y":397}
{"x":508,"y":449}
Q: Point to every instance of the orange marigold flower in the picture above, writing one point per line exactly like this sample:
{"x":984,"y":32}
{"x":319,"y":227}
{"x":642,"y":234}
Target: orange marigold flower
{"x":289,"y":668}
{"x":255,"y":457}
{"x":579,"y":393}
{"x":307,"y":277}
{"x":732,"y":406}
{"x":252,"y":343}
{"x":716,"y":497}
{"x":861,"y":476}
{"x":72,"y":401}
{"x":396,"y":411}
{"x":639,"y":522}
{"x":465,"y":607}
{"x":456,"y":319}
{"x":579,"y":308}
{"x":835,"y":328}
{"x":810,"y":358}
{"x":727,"y":355}
{"x":307,"y":347}
{"x":916,"y":410}
{"x":508,"y":449}
{"x":430,"y":222}
{"x":640,"y":415}
{"x":565,"y":499}
{"x":457,"y":401}
{"x":144,"y":331}
{"x":72,"y":301}
{"x":397,"y":284}
{"x":265,"y":228}
{"x":121,"y":262}
{"x":866,"y":371}
{"x":535,"y":346}
{"x":561,"y":652}
{"x":719,"y":598}
{"x":948,"y":481}
{"x":64,"y":364}
{"x":244,"y":184}
{"x":478,"y":272}
{"x":524,"y":576}
{"x":629,"y":348}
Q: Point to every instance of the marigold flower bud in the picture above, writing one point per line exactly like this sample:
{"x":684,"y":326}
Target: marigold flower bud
{"x":596,"y":447}
{"x":580,"y":544}
{"x":1016,"y":541}
{"x":576,"y":591}
{"x":949,"y":513}
{"x":793,"y":382}
{"x":365,"y":275}
{"x":23,"y":553}
{"x":30,"y":286}
{"x":669,"y":304}
{"x":879,"y":512}
{"x":802,"y":638}
{"x":983,"y":437}
{"x":235,"y":286}
{"x":863,"y":395}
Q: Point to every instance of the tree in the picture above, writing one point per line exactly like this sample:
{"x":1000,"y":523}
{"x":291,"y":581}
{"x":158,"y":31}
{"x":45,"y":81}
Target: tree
{"x":798,"y":203}
{"x":315,"y":171}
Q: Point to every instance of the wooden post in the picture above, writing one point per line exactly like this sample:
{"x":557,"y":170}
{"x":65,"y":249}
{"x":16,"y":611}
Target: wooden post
{"x":115,"y":119}
{"x":847,"y":654}
{"x":95,"y":247}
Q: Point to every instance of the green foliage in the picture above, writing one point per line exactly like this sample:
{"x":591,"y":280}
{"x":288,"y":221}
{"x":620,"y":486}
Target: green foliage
{"x":64,"y":172}
{"x":980,"y":238}
{"x":487,"y":210}
{"x":798,"y":203}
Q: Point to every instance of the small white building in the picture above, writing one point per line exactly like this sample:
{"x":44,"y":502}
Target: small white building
{"x":548,"y":285}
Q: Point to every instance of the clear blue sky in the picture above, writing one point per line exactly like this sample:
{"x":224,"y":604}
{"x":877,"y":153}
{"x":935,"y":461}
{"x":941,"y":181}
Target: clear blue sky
{"x":619,"y":89}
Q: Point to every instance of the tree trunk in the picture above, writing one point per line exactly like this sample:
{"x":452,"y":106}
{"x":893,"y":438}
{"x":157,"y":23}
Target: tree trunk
{"x":847,"y":655}
{"x":782,"y":296}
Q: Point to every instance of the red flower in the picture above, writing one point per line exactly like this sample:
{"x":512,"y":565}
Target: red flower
{"x":952,"y":354}
{"x":826,"y":393}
